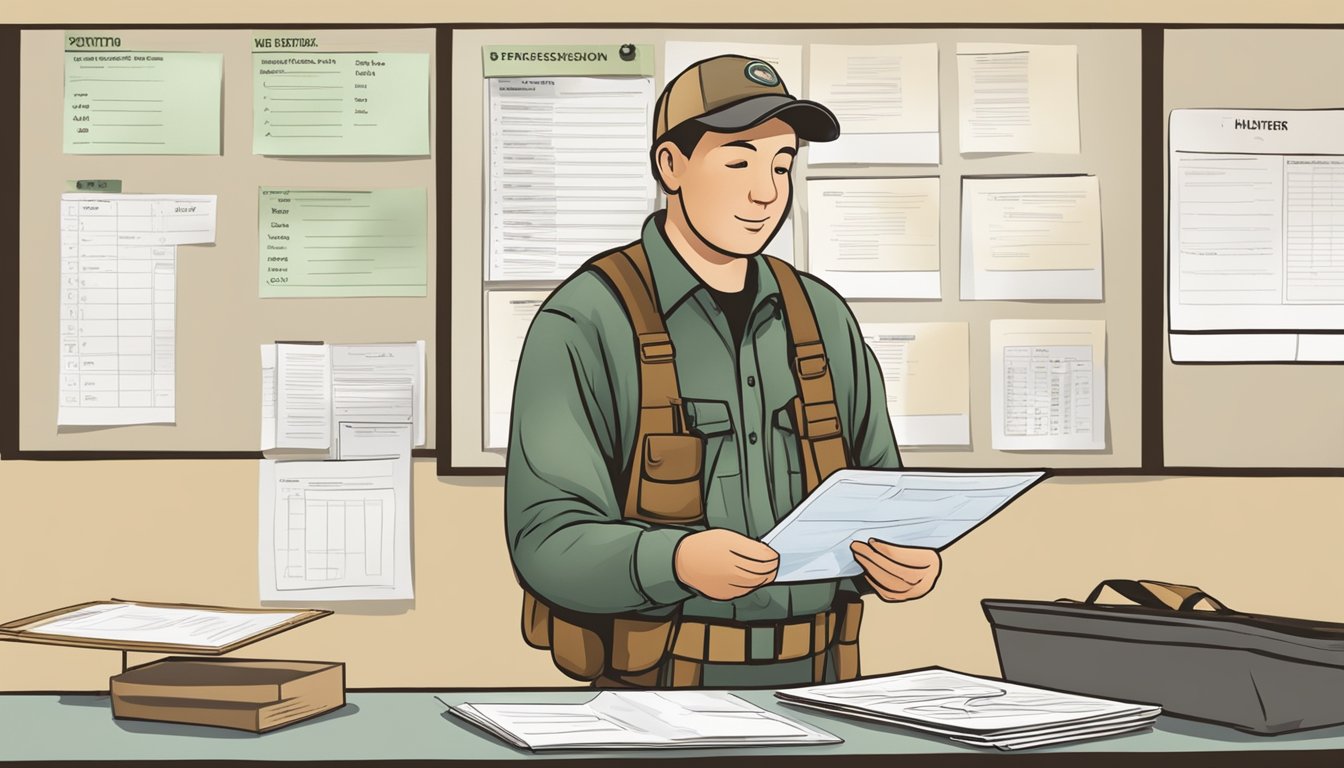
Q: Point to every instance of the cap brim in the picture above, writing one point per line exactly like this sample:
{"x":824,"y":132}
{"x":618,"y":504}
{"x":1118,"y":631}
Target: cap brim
{"x":810,"y":120}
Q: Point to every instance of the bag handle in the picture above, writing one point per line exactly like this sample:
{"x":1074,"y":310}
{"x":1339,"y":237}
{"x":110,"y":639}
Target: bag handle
{"x":1159,"y":594}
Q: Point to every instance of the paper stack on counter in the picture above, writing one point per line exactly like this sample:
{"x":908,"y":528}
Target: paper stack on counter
{"x":983,"y":712}
{"x":640,"y":719}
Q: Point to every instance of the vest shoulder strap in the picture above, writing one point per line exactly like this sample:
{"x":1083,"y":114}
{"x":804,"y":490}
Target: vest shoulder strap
{"x":816,"y":417}
{"x":629,"y":273}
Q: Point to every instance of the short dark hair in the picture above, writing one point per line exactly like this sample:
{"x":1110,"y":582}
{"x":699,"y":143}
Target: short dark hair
{"x":686,"y":137}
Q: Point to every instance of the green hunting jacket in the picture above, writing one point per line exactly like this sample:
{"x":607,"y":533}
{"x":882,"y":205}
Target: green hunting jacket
{"x":575,"y":406}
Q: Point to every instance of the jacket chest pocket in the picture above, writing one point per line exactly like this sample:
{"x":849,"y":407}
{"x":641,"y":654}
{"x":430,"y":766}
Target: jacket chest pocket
{"x":670,"y":478}
{"x":712,"y":420}
{"x":786,"y":468}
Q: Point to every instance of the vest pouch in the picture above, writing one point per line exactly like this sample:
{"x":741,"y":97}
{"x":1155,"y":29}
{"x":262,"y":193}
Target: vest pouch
{"x":577,"y":650}
{"x":639,"y":645}
{"x":670,"y":489}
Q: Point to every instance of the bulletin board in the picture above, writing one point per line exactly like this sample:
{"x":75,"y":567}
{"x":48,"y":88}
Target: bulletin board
{"x":220,"y":320}
{"x":1110,"y":93}
{"x":1281,"y":417}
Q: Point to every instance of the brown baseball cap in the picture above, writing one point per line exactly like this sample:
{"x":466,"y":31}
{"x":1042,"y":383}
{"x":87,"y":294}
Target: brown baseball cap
{"x":733,"y":93}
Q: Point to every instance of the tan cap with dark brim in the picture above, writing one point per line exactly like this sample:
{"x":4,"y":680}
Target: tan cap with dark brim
{"x":733,"y":93}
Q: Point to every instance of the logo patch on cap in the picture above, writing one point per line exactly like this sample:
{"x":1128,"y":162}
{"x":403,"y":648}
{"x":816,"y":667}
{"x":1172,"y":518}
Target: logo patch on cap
{"x":760,"y":72}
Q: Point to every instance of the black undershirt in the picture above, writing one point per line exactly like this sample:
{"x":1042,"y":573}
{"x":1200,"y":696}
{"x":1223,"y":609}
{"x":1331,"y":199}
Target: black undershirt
{"x":736,"y":306}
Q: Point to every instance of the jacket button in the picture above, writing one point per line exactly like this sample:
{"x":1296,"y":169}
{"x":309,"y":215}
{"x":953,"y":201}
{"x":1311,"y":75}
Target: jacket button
{"x":752,"y":438}
{"x":751,"y":381}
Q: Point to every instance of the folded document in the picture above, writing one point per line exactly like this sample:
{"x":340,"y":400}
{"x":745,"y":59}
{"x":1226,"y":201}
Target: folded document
{"x":641,"y":719}
{"x":983,"y":712}
{"x":910,"y":509}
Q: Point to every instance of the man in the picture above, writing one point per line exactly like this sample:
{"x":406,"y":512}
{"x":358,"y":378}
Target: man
{"x":725,"y":137}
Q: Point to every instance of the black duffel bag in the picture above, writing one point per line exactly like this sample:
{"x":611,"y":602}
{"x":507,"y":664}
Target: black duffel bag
{"x":1176,"y":646}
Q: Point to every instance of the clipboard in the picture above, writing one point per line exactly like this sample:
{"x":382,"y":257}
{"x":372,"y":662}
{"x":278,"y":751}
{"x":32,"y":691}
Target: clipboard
{"x":28,"y":629}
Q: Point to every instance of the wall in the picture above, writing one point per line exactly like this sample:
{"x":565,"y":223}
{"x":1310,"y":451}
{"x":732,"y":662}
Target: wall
{"x":186,"y":530}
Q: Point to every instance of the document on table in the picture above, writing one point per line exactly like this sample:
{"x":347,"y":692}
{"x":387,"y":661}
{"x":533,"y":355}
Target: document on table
{"x":875,"y":238}
{"x":508,"y":315}
{"x":120,"y":102}
{"x":980,"y":711}
{"x":318,"y":242}
{"x":886,"y":98}
{"x":1252,"y":250}
{"x":786,"y":59}
{"x":311,"y":391}
{"x":641,"y":719}
{"x":134,"y":623}
{"x":1031,"y":237}
{"x":1048,"y":384}
{"x":335,"y":530}
{"x":907,"y":508}
{"x":568,"y":171}
{"x":118,"y":304}
{"x":925,"y":370}
{"x":310,"y":98}
{"x":1018,"y":98}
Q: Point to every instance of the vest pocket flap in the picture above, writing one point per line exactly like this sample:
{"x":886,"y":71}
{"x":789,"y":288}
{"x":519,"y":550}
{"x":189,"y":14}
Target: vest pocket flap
{"x":709,"y":417}
{"x":669,"y":458}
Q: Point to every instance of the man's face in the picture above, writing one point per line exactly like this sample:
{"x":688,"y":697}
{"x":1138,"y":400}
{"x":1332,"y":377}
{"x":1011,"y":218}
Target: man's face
{"x":736,"y":187}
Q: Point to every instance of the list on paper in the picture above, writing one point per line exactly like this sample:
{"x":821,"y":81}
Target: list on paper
{"x":1031,"y":237}
{"x":875,"y":237}
{"x":926,"y":374}
{"x":118,"y":304}
{"x":886,"y":99}
{"x":508,"y":315}
{"x":1048,"y":384}
{"x":1252,"y":241}
{"x":335,"y":530}
{"x":786,"y":59}
{"x":1018,"y":98}
{"x":129,"y":102}
{"x":568,"y":170}
{"x":312,"y":393}
{"x":314,"y":99}
{"x":317,"y":242}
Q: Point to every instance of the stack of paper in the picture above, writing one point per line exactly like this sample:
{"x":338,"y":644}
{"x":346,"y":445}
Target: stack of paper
{"x":979,"y":711}
{"x":641,"y":719}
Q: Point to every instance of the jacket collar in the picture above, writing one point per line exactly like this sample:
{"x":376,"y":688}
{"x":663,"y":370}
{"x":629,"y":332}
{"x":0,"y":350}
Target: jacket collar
{"x":674,"y":281}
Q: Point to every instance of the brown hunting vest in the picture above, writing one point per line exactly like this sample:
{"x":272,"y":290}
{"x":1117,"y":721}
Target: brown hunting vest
{"x":665,"y":486}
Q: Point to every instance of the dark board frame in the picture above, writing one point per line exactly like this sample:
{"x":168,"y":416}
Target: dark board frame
{"x":1153,"y":236}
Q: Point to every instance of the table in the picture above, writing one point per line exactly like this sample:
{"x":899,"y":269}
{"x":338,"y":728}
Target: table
{"x":415,"y":726}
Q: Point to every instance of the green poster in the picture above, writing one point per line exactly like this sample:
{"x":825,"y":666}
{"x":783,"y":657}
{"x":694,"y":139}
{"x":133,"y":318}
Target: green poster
{"x":342,"y":242}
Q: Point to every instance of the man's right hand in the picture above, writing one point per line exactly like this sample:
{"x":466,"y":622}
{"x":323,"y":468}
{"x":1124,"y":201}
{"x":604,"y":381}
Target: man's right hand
{"x":722,"y":564}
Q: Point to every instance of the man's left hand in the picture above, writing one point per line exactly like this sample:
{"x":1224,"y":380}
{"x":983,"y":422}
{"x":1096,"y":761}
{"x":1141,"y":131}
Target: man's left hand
{"x":897,"y":573}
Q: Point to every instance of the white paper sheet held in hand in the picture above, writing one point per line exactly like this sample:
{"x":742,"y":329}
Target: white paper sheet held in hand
{"x":335,"y":530}
{"x":1018,"y":98}
{"x":641,"y":719}
{"x":886,"y":98}
{"x":906,"y":508}
{"x":1047,"y":382}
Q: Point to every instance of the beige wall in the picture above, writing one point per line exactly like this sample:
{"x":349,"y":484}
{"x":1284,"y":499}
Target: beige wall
{"x":186,"y":530}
